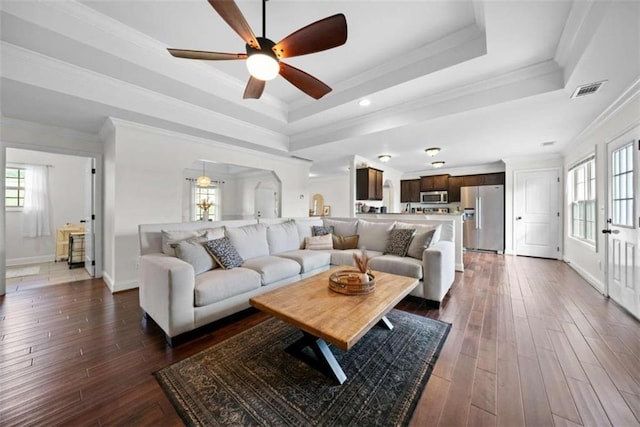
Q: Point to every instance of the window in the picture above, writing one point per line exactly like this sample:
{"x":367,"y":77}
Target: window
{"x":202,"y":195}
{"x":14,"y":187}
{"x":582,"y":182}
{"x":622,"y":178}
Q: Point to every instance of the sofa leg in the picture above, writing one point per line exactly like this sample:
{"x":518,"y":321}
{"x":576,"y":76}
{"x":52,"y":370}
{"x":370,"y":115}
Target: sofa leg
{"x":169,"y":340}
{"x":145,"y":315}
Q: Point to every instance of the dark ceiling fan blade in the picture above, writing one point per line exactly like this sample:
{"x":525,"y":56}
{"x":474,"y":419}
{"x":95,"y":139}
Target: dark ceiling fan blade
{"x":201,"y":54}
{"x":254,"y":88}
{"x":303,"y":81}
{"x":321,"y":35}
{"x":228,"y":10}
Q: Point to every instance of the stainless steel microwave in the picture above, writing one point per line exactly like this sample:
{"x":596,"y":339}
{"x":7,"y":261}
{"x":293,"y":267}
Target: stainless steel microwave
{"x":434,"y":197}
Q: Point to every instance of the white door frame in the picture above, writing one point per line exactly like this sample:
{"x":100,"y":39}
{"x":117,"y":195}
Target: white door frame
{"x":559,"y":203}
{"x":98,"y":204}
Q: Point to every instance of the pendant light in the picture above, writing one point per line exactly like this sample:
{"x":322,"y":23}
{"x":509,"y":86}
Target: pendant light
{"x":203,"y":180}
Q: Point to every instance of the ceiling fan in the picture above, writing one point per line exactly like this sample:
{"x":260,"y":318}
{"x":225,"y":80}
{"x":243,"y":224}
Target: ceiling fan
{"x":263,"y":55}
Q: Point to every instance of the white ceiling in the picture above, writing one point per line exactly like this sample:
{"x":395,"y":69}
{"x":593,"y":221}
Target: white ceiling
{"x":483,"y":80}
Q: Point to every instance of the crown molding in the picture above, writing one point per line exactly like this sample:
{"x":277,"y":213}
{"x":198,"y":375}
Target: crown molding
{"x":25,"y":125}
{"x":453,"y":49}
{"x":126,"y":124}
{"x":38,"y":70}
{"x":534,"y":79}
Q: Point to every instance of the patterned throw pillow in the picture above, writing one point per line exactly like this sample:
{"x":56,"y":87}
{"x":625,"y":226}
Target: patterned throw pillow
{"x":318,"y":242}
{"x":398,"y":241}
{"x":319,"y":230}
{"x":345,"y":242}
{"x":224,"y":253}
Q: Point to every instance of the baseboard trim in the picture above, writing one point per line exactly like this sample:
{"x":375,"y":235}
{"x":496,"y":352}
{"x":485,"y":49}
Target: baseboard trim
{"x":29,"y":260}
{"x":459,"y":267}
{"x":124,"y":286}
{"x":589,"y":278}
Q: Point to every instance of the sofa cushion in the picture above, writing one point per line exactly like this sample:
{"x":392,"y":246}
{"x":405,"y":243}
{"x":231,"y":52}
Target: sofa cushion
{"x":346,"y":257}
{"x":426,"y":236}
{"x":316,"y":243}
{"x":305,"y":228}
{"x":321,"y":230}
{"x":308,"y":260}
{"x":224,"y":253}
{"x":398,"y":242}
{"x":193,"y":251}
{"x":217,"y":285}
{"x":249,"y":240}
{"x":374,"y":235}
{"x":171,"y":237}
{"x":403,"y":266}
{"x":345,"y":242}
{"x":342,"y":227}
{"x":283,"y":237}
{"x":272,"y":268}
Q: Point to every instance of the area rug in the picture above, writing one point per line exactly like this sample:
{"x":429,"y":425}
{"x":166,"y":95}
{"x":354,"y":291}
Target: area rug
{"x":21,"y":271}
{"x":250,"y":380}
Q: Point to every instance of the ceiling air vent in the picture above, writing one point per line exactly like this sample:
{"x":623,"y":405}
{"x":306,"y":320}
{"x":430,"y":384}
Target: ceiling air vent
{"x":588,"y":89}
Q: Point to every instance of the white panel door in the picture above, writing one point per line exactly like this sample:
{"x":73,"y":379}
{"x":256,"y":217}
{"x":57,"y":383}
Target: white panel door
{"x":537,"y":213}
{"x":623,"y":237}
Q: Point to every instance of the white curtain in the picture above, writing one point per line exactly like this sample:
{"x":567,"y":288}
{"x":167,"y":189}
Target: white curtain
{"x":35,"y":215}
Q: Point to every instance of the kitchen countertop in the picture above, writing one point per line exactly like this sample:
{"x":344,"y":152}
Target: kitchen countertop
{"x":407,"y":213}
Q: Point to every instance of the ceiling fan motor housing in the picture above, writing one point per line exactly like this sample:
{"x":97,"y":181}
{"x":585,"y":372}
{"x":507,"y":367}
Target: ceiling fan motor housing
{"x":266,"y":46}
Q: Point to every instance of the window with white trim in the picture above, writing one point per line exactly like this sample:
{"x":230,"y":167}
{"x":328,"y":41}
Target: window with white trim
{"x":582,"y":200}
{"x":623,"y":193}
{"x":14,"y":187}
{"x":204,"y":197}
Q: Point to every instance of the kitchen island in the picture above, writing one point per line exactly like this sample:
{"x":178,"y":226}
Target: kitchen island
{"x":456,"y":217}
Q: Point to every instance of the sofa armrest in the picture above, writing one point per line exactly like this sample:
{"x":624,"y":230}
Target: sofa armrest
{"x":438,"y":263}
{"x":167,"y":288}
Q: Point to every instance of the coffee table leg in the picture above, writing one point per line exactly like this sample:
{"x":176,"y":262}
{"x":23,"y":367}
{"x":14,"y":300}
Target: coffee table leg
{"x":323,"y":354}
{"x":385,"y":323}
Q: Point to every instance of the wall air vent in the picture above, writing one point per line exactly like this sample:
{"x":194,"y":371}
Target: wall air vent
{"x":587,"y":89}
{"x":548,"y":143}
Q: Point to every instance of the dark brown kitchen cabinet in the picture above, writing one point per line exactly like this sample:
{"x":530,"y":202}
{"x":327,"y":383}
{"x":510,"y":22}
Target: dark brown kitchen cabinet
{"x":434,"y":183}
{"x":368,"y":184}
{"x":455,"y":182}
{"x":484,"y":179}
{"x":409,"y":190}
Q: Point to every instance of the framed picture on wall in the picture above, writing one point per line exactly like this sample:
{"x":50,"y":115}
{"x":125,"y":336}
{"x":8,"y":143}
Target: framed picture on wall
{"x":326,"y":211}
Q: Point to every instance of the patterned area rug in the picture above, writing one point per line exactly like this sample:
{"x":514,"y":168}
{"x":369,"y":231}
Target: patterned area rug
{"x":250,"y":380}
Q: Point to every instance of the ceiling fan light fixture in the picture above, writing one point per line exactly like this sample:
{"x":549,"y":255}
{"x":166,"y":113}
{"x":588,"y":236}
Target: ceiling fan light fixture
{"x":432,"y":151}
{"x":384,"y":158}
{"x":437,"y":164}
{"x":263,"y":66}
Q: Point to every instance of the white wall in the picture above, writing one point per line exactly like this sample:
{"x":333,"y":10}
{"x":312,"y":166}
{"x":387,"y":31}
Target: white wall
{"x":334,"y":190}
{"x":590,"y":262}
{"x":67,"y":198}
{"x":149,"y":168}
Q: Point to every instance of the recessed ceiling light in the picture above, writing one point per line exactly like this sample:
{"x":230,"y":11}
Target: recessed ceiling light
{"x":364,"y":102}
{"x":384,"y":157}
{"x":432,"y":151}
{"x":437,"y":164}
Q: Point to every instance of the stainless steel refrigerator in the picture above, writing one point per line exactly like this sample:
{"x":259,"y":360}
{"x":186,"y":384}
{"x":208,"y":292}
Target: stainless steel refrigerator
{"x":483,"y":217}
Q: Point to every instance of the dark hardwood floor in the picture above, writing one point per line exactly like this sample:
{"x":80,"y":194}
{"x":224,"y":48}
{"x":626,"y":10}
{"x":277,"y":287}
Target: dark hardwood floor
{"x":531,"y":344}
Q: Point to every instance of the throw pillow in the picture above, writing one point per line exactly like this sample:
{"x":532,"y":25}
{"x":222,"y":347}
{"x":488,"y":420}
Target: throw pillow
{"x":318,"y":242}
{"x":224,"y":253}
{"x":423,"y":239}
{"x":171,"y":237}
{"x":399,"y":240}
{"x":345,"y":242}
{"x":194,"y":252}
{"x":320,"y":230}
{"x":249,"y":240}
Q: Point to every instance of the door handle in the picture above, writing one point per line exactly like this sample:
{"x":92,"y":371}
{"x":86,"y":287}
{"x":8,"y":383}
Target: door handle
{"x":606,"y":231}
{"x":518,"y":218}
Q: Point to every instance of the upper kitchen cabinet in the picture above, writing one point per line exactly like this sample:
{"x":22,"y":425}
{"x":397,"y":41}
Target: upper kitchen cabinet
{"x":368,"y":184}
{"x":484,"y":179}
{"x":410,"y":190}
{"x":434,"y":183}
{"x":455,"y":182}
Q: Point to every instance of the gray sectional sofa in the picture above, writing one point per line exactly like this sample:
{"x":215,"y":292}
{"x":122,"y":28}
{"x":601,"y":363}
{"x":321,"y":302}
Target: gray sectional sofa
{"x":181,"y":289}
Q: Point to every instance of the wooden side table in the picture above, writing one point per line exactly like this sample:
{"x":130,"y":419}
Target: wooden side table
{"x":62,"y":239}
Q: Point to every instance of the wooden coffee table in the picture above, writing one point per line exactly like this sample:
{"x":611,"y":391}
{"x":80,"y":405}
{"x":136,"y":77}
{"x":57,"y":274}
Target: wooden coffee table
{"x":325,"y":316}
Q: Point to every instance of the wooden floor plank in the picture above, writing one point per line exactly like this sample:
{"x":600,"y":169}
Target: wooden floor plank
{"x":531,"y":342}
